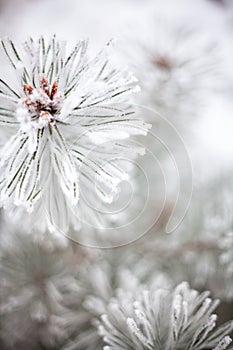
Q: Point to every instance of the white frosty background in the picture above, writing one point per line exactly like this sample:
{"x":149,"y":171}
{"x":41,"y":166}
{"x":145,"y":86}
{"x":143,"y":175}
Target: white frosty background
{"x":101,"y":20}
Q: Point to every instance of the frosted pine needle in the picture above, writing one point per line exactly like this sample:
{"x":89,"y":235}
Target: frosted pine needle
{"x":176,"y":64}
{"x":64,"y":117}
{"x":164,"y":320}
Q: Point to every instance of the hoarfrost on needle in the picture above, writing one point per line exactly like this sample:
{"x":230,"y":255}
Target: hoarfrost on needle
{"x":65,"y":118}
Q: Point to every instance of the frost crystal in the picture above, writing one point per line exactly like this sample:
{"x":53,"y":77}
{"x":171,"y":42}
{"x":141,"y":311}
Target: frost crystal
{"x":66,"y":117}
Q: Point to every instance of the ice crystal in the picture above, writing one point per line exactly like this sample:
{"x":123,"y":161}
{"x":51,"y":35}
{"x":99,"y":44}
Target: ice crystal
{"x":66,"y":117}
